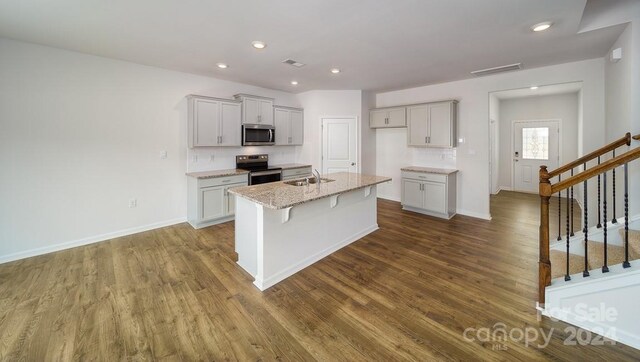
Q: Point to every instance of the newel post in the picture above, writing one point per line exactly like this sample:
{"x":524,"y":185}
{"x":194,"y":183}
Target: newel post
{"x":544,"y":265}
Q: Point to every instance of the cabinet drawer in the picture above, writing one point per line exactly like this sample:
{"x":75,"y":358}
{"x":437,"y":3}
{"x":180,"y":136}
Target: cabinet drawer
{"x":435,"y":177}
{"x":296,"y":172}
{"x":226,"y":180}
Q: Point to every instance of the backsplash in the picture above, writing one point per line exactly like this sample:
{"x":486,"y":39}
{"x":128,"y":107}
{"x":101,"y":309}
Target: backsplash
{"x":219,"y":158}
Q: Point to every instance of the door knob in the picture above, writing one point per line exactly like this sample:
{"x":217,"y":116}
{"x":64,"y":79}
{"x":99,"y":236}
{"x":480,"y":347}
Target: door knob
{"x":353,"y":163}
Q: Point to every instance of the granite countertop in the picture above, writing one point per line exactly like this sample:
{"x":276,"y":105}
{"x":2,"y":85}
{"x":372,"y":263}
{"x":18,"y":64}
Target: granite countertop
{"x":278,"y":195}
{"x":443,"y":171}
{"x":290,"y":166}
{"x":217,"y":173}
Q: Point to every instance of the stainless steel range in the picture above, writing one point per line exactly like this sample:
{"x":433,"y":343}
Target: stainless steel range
{"x":259,"y":170}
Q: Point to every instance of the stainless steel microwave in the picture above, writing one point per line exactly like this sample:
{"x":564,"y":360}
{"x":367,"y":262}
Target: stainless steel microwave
{"x":258,"y":135}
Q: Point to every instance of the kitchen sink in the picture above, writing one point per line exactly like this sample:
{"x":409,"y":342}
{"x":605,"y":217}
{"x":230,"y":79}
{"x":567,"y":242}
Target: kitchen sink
{"x":311,"y":181}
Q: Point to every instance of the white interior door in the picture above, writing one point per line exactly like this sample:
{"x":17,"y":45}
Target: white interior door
{"x":535,"y":143}
{"x":339,"y":145}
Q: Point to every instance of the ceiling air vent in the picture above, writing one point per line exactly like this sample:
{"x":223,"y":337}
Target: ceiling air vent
{"x":504,"y":68}
{"x":294,"y":63}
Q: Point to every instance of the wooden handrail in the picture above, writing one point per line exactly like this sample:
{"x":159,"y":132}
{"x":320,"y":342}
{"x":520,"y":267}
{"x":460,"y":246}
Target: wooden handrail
{"x":626,"y":140}
{"x":544,"y":264}
{"x":594,"y":171}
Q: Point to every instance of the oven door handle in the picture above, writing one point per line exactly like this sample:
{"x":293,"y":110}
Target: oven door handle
{"x":271,"y":135}
{"x":265,"y":173}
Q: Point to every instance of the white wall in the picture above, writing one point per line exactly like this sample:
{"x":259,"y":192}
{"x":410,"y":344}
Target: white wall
{"x":80,"y":135}
{"x":634,"y":95}
{"x":367,"y":136}
{"x":559,"y":106}
{"x":324,"y":103}
{"x":494,"y":142}
{"x":618,"y":88}
{"x":472,"y":157}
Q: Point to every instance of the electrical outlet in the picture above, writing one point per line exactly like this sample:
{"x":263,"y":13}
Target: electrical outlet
{"x":194,"y":158}
{"x":133,"y":203}
{"x":211,"y":158}
{"x":163,"y":155}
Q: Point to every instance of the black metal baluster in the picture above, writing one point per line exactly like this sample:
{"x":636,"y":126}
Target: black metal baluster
{"x":567,"y":277}
{"x":626,"y":263}
{"x":585,"y":228}
{"x":559,"y":211}
{"x":613,"y":220}
{"x":572,"y":234}
{"x":599,"y":224}
{"x":605,"y":268}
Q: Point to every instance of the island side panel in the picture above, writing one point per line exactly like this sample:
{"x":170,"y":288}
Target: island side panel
{"x":248,"y":227}
{"x":314,"y":230}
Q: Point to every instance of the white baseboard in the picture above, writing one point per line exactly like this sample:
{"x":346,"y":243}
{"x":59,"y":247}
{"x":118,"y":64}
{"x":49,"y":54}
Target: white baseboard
{"x":504,"y":188}
{"x":477,"y":215}
{"x":86,"y":241}
{"x":389,"y":198}
{"x":283,"y":274}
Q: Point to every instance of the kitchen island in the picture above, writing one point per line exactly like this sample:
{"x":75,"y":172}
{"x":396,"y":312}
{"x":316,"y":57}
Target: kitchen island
{"x":283,"y":227}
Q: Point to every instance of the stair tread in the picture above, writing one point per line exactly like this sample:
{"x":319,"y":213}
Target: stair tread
{"x":615,"y":254}
{"x":558,"y":263}
{"x":634,"y":243}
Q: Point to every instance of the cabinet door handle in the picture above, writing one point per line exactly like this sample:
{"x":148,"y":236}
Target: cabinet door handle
{"x":426,"y":139}
{"x":220,"y":139}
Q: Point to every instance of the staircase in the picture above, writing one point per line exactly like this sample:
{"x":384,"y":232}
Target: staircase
{"x":598,"y":267}
{"x":595,"y":251}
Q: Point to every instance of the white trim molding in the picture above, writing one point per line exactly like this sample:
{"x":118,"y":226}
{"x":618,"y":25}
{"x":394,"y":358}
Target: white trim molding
{"x":88,"y":240}
{"x":477,"y":215}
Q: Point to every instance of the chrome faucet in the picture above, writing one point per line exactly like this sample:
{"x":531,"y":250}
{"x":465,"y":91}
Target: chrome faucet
{"x":317,"y":175}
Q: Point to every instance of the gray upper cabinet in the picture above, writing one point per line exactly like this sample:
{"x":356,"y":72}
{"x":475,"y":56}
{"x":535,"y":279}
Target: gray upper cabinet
{"x":213,"y":122}
{"x":289,"y":126}
{"x":388,"y":117}
{"x":432,"y":124}
{"x":256,"y":109}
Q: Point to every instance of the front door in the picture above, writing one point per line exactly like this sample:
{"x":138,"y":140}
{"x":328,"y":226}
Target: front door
{"x":339,"y":145}
{"x":535,"y":143}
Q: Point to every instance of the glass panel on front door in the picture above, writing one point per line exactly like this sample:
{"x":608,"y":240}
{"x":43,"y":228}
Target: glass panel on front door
{"x":535,"y":143}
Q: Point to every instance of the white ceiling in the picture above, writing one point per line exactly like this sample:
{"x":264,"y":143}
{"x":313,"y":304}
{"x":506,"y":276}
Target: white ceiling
{"x":543,"y":90}
{"x":379,"y":44}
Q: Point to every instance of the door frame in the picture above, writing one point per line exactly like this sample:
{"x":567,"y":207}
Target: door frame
{"x":512,"y":166}
{"x":356,"y":119}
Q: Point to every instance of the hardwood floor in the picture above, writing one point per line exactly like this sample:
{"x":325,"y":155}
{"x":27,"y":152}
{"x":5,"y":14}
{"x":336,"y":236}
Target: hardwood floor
{"x":407,"y":291}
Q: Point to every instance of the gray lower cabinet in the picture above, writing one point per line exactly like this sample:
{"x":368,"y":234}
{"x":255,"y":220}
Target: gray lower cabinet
{"x":429,"y":193}
{"x":209,"y":201}
{"x":296,"y":173}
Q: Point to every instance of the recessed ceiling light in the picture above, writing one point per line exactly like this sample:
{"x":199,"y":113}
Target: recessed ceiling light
{"x":258,"y":44}
{"x":222,"y":66}
{"x":293,"y":82}
{"x":335,"y":70}
{"x":542,"y":26}
{"x":534,"y":87}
